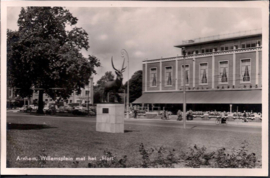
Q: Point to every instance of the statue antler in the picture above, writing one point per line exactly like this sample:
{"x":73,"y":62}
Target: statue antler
{"x":123,"y":66}
{"x":113,"y":66}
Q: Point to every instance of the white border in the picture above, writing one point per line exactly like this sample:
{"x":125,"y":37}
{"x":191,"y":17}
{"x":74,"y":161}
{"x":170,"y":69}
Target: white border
{"x":169,"y":172}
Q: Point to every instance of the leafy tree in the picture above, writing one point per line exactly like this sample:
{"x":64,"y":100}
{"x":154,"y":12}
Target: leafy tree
{"x":99,"y":88}
{"x":43,"y":54}
{"x":135,"y":86}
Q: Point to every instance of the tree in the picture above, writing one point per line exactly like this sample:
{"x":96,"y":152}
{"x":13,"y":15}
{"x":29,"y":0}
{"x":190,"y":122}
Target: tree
{"x":99,"y":88}
{"x":45,"y":55}
{"x":135,"y":86}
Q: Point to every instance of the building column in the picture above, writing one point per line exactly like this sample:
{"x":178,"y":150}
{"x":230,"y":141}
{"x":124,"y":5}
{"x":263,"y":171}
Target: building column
{"x":257,"y":65}
{"x":234,"y":58}
{"x":160,"y":74}
{"x":194,"y":70}
{"x":213,"y":69}
{"x":176,"y":73}
{"x":145,"y":76}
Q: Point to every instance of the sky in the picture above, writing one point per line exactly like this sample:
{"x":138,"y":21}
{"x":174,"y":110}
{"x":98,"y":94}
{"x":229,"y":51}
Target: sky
{"x":150,"y":33}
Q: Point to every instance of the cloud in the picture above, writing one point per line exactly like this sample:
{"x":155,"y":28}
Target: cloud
{"x":102,"y":37}
{"x":150,"y":32}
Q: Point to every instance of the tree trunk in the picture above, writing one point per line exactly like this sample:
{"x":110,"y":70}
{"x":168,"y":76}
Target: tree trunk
{"x":40,"y":102}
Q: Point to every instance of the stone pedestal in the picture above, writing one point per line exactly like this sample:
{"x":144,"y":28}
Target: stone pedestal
{"x":110,"y":118}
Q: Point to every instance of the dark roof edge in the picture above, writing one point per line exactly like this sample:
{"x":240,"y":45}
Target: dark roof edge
{"x":218,"y":40}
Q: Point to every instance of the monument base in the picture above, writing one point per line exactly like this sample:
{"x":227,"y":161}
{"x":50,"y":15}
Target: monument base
{"x":110,"y":118}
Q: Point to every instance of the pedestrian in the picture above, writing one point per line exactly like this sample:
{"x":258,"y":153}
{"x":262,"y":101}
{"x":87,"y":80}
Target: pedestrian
{"x":135,"y":113}
{"x":223,"y":117}
{"x":179,"y":115}
{"x":245,"y":116}
{"x":164,"y":114}
{"x":167,"y":115}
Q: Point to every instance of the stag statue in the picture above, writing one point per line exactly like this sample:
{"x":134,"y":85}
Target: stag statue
{"x":114,"y":86}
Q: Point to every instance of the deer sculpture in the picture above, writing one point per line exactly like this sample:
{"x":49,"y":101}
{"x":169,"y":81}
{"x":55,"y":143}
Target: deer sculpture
{"x":114,"y":86}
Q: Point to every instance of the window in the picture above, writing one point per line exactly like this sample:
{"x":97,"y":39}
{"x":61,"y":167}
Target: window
{"x":253,"y":45}
{"x":203,"y":73}
{"x":236,"y":46}
{"x":243,"y":45}
{"x":222,"y":48}
{"x":248,"y":45}
{"x":259,"y":42}
{"x":186,"y":73}
{"x":245,"y":70}
{"x":215,"y":49}
{"x":70,"y":101}
{"x":86,"y":93}
{"x":168,"y":76}
{"x":196,"y":51}
{"x":153,"y":77}
{"x":202,"y":50}
{"x":226,"y":48}
{"x":223,"y":71}
{"x":207,"y":50}
{"x":231,"y":47}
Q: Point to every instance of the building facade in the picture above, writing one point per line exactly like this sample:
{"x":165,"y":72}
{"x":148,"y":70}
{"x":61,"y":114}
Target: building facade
{"x":224,"y":70}
{"x":85,"y":97}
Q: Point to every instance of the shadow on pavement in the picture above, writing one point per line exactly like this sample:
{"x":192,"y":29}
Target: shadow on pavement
{"x":11,"y":126}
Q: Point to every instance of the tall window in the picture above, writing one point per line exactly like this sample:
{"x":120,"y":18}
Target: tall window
{"x":223,"y":71}
{"x":203,"y":73}
{"x":168,"y":76}
{"x":86,"y":93}
{"x":153,"y":77}
{"x":245,"y":70}
{"x":187,"y":77}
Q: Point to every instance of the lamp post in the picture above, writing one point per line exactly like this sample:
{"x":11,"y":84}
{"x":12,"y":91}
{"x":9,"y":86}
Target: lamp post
{"x":88,"y":96}
{"x":184,"y":87}
{"x":127,"y":103}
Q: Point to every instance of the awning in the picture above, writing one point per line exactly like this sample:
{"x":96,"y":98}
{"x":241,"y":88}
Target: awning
{"x":203,"y":97}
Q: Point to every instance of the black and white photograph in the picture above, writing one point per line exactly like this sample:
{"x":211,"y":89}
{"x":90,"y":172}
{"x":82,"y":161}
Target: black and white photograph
{"x":134,"y":88}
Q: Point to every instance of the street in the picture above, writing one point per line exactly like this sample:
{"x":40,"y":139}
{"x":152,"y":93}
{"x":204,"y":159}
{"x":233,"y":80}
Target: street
{"x":204,"y":125}
{"x":32,"y":135}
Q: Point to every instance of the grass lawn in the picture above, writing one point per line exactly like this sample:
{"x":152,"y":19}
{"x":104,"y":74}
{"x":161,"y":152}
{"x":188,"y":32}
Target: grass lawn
{"x":33,"y":136}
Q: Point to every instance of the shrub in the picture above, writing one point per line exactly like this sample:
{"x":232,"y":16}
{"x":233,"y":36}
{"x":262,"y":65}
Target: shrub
{"x":238,"y":159}
{"x":195,"y":157}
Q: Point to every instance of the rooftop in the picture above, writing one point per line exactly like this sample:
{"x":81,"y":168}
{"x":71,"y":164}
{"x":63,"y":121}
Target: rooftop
{"x":220,"y":37}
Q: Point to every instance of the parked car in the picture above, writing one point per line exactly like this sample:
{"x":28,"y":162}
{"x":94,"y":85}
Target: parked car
{"x":31,"y":108}
{"x":51,"y":108}
{"x":23,"y":108}
{"x":80,"y":110}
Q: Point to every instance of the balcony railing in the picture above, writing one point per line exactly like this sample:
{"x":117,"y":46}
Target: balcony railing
{"x":223,"y":36}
